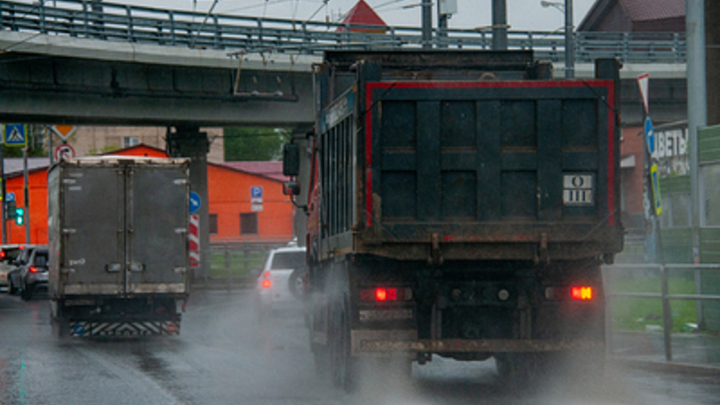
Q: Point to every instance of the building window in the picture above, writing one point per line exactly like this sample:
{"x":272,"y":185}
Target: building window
{"x":213,"y":224}
{"x":248,"y":224}
{"x":129,"y":141}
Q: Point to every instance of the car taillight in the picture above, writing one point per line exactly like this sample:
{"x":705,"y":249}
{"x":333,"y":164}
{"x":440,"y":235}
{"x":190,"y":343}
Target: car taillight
{"x":581,"y":293}
{"x":266,"y":283}
{"x":382,"y":294}
{"x":2,"y":254}
{"x":33,"y":269}
{"x":266,"y":274}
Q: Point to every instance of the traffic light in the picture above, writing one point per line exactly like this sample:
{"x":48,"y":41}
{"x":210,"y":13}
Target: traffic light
{"x":19,"y":216}
{"x":10,"y":210}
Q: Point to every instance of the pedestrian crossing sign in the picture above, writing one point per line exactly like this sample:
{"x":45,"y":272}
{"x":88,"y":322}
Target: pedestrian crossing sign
{"x":15,"y":135}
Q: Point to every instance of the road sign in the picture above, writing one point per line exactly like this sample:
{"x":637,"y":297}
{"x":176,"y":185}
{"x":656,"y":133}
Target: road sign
{"x":194,"y":239}
{"x":10,"y":197}
{"x":657,"y":198}
{"x":63,"y":131}
{"x":644,"y":84}
{"x":650,"y":135}
{"x":256,"y":195}
{"x":15,"y":135}
{"x":195,"y":202}
{"x":256,"y":207}
{"x":64,"y":152}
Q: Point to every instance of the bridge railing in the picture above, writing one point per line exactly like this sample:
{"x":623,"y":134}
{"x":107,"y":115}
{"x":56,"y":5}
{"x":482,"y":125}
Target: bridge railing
{"x":137,"y":24}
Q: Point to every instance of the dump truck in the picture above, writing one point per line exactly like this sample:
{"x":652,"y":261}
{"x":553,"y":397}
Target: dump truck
{"x":460,"y":204}
{"x":118,"y":243}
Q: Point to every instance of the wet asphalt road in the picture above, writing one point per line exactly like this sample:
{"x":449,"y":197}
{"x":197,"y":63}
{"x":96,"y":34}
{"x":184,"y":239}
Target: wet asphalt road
{"x":225,"y":356}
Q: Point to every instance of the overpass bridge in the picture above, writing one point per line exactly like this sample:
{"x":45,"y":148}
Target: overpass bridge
{"x":87,"y":63}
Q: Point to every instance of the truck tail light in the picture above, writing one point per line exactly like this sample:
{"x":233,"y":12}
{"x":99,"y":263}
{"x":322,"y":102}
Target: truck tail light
{"x":33,"y":269}
{"x":382,"y":294}
{"x":574,"y":293}
{"x":266,"y":283}
{"x":581,"y":293}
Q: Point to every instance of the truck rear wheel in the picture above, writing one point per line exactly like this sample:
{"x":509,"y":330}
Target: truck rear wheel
{"x":520,"y":369}
{"x":344,"y":366}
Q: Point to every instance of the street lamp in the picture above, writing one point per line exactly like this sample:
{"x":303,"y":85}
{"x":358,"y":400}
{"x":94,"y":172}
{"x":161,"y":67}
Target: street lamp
{"x":566,"y":8}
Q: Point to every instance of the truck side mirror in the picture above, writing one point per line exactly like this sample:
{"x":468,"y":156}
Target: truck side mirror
{"x":291,"y":188}
{"x":291,"y":159}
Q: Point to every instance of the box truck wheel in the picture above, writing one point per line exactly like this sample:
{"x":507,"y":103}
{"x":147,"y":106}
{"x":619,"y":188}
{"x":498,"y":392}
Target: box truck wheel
{"x":27,"y":292}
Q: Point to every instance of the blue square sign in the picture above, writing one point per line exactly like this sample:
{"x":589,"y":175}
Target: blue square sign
{"x":15,"y":135}
{"x":256,"y":192}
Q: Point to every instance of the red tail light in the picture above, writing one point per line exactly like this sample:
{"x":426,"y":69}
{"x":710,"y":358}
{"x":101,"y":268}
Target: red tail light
{"x":266,"y":283}
{"x":266,"y":274}
{"x":581,"y":293}
{"x":21,"y":247}
{"x":33,"y":269}
{"x":2,"y":254}
{"x":382,"y":294}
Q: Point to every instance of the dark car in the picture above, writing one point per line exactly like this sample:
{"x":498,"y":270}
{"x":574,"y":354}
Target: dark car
{"x":34,"y":274}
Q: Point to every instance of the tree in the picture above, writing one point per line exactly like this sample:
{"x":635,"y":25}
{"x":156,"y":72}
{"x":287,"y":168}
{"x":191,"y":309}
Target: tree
{"x":244,"y":144}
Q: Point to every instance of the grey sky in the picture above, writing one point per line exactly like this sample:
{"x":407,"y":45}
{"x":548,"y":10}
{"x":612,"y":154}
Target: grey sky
{"x":522,"y":14}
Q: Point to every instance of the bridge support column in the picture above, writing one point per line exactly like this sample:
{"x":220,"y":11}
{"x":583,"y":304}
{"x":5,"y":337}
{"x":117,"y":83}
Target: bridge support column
{"x":188,"y":141}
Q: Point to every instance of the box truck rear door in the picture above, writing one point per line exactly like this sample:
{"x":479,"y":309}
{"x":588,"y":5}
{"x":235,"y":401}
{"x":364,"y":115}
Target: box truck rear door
{"x":93,"y":230}
{"x":157,"y":207}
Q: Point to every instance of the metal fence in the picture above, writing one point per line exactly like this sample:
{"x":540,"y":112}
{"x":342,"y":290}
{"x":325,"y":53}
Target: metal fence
{"x":119,"y":22}
{"x":655,"y":271}
{"x":231,"y":264}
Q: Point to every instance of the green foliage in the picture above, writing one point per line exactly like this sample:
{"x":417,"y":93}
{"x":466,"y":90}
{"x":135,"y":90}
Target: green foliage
{"x":637,"y":313}
{"x":247,"y":144}
{"x":103,"y":150}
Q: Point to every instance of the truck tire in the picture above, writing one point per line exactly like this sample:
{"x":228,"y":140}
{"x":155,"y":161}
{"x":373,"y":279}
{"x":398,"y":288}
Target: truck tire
{"x":321,"y":359}
{"x":296,"y":283}
{"x":520,"y":369}
{"x":345,"y":368}
{"x":60,"y":328}
{"x":59,"y":323}
{"x":27,"y":293}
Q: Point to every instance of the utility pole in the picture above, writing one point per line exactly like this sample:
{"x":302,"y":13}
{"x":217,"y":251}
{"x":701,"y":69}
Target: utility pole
{"x":442,"y":27}
{"x":26,"y":212}
{"x":499,"y":25}
{"x":697,"y":106}
{"x":569,"y":41}
{"x":427,"y":24}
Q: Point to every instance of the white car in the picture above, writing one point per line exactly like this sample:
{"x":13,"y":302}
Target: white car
{"x":8,"y":255}
{"x":280,"y":285}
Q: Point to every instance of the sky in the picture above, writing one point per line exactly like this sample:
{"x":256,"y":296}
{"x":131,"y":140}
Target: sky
{"x":523,"y":15}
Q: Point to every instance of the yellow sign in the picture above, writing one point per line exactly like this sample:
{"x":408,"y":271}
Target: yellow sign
{"x":657,"y":198}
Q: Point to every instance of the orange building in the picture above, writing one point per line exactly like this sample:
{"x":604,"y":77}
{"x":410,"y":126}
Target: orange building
{"x":234,"y":215}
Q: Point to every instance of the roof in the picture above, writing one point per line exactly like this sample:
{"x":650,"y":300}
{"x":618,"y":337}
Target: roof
{"x":635,"y":10}
{"x":644,"y":10}
{"x":362,"y":14}
{"x":14,"y":166}
{"x":138,"y":150}
{"x":271,"y":169}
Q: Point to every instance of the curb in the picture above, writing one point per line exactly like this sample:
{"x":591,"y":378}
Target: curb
{"x":669,"y":367}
